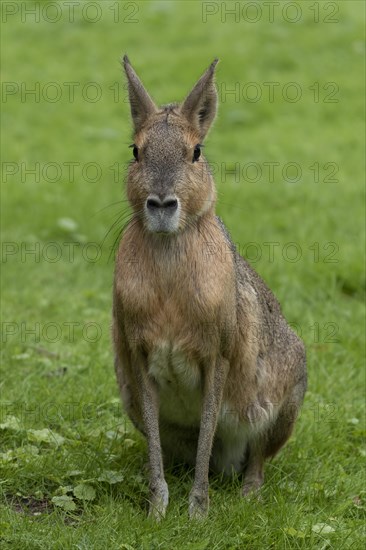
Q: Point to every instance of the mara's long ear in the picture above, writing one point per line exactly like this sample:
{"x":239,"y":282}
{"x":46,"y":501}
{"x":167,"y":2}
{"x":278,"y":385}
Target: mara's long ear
{"x":142,"y":106}
{"x":200,"y":105}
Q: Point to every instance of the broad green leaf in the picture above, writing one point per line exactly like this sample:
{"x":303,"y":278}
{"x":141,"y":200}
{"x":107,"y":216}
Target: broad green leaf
{"x":84,"y":492}
{"x":113,"y":434}
{"x":73,"y":473}
{"x":21,"y":356}
{"x":294,"y":533}
{"x":28,"y":450}
{"x":7,"y":457}
{"x":45,"y":436}
{"x":63,"y":490}
{"x":322,"y":528}
{"x":114,"y":400}
{"x":65,"y":502}
{"x":11,"y":423}
{"x":111,"y":476}
{"x":129,"y":443}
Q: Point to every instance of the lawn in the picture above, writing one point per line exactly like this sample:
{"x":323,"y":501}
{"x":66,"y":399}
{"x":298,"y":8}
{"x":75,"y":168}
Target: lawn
{"x":287,"y":152}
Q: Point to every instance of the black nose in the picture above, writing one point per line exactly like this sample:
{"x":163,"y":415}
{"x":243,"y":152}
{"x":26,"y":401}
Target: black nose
{"x":153,"y":203}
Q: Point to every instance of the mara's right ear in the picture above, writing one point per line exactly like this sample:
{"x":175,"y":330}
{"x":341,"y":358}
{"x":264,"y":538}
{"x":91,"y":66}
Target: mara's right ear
{"x":142,"y":106}
{"x":200,"y":105}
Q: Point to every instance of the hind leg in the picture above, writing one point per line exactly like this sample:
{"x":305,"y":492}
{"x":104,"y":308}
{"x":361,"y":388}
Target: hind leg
{"x":270,"y":441}
{"x":265,"y":445}
{"x":254,"y":475}
{"x":281,"y":430}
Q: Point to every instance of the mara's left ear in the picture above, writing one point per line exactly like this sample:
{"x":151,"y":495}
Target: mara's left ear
{"x":200,"y":105}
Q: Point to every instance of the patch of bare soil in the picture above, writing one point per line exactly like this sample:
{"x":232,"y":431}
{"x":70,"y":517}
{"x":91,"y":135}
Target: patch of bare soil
{"x":30,"y":505}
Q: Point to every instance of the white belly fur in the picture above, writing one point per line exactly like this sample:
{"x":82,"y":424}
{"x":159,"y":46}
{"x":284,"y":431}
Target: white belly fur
{"x":180,"y":396}
{"x":179,"y":384}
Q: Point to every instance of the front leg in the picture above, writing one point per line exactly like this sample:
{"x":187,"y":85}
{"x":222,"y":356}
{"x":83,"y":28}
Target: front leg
{"x":214,"y":382}
{"x":159,"y":494}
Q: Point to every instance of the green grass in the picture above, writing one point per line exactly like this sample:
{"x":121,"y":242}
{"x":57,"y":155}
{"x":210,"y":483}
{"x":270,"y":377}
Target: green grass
{"x":61,"y":377}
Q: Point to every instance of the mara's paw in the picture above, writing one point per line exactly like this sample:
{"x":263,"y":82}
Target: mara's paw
{"x":159,"y":498}
{"x":251,"y":487}
{"x":198,"y":504}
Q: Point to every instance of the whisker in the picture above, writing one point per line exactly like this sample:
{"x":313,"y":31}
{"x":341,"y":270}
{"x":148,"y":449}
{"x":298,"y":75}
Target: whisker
{"x":109,"y":206}
{"x":135,"y":217}
{"x":117,"y":221}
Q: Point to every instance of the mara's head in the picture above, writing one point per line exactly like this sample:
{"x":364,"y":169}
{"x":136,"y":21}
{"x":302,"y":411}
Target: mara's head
{"x":169,"y":185}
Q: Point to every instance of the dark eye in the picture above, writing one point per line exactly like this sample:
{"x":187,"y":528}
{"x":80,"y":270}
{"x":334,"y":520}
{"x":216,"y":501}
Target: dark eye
{"x":135,"y":151}
{"x":196,"y":152}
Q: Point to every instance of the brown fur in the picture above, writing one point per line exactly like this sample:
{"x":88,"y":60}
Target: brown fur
{"x":189,"y":312}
